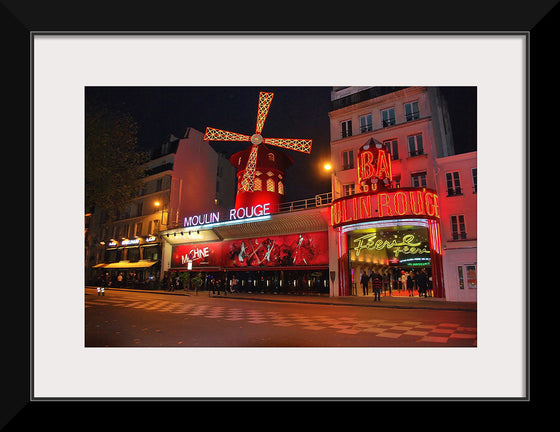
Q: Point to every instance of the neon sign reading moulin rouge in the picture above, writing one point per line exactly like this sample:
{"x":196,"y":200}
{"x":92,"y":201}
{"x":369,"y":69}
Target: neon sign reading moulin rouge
{"x":388,"y":203}
{"x":234,"y":214}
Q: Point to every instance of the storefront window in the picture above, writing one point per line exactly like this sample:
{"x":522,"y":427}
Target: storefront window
{"x":150,"y":252}
{"x":133,"y":254}
{"x":111,"y":256}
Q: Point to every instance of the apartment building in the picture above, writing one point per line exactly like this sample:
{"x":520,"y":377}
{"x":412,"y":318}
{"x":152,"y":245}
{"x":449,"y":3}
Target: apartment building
{"x":183,"y":176}
{"x":412,"y":125}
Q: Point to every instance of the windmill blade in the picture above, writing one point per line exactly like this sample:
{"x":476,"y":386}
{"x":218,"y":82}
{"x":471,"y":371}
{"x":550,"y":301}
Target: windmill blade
{"x":249,"y":175}
{"x":301,"y":145}
{"x":264,"y":104}
{"x":212,"y":134}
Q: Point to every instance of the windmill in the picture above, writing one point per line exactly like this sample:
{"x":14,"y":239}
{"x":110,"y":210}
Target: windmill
{"x":257,"y":141}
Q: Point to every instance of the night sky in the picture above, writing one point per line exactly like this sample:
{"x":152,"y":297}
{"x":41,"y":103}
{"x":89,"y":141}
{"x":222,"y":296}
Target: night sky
{"x":295,"y":112}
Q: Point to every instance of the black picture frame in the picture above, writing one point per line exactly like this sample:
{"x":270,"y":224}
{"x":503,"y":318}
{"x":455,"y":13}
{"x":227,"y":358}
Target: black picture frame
{"x":21,"y":19}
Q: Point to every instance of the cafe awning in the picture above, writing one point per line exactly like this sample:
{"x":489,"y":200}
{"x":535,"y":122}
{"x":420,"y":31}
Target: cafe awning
{"x":126,"y":264}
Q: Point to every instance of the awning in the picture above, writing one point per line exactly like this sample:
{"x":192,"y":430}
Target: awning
{"x":126,"y":264}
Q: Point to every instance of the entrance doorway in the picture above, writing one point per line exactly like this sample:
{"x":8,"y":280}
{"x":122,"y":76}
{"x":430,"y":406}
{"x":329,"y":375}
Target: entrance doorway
{"x":396,"y":253}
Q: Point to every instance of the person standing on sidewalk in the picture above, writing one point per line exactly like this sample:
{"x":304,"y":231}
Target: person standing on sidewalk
{"x":376,"y":285}
{"x":409,"y":285}
{"x":422,"y":279}
{"x":365,"y":281}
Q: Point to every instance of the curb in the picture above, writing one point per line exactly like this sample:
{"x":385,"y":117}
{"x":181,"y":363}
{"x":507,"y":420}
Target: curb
{"x":434,"y":304}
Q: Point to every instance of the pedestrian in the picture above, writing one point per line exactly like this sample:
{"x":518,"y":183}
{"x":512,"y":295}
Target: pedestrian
{"x":365,"y":281}
{"x":376,"y":285}
{"x":422,"y":279}
{"x":213,"y":286}
{"x":409,"y":285}
{"x":119,"y":280}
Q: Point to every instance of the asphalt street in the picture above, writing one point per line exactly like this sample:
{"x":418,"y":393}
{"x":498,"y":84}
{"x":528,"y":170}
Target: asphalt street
{"x":144,"y":319}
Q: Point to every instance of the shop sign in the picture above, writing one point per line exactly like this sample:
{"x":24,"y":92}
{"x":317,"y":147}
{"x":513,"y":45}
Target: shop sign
{"x":275,"y":251}
{"x":278,"y":251}
{"x":198,"y":255}
{"x":129,"y":242}
{"x":234,"y":215}
{"x":374,"y":167}
{"x":385,"y":204}
{"x":406,"y":245}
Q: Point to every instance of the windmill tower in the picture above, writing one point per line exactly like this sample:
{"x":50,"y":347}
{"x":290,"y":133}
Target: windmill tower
{"x":261,"y":169}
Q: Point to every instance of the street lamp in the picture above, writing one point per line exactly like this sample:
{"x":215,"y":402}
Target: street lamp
{"x":329,"y":168}
{"x":158,"y":204}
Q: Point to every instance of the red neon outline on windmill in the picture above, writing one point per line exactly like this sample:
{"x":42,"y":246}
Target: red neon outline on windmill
{"x":301,"y":145}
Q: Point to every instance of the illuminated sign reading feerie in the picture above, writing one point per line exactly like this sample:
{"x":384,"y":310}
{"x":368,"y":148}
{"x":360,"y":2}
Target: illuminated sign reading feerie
{"x":407,"y":245}
{"x":385,"y":204}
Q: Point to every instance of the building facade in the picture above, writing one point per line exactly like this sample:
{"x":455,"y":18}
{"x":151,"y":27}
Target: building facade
{"x":457,"y":183}
{"x":183,"y":175}
{"x":388,"y":231}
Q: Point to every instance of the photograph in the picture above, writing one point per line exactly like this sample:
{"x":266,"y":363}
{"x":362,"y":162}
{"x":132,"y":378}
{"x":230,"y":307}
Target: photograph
{"x":280,"y":217}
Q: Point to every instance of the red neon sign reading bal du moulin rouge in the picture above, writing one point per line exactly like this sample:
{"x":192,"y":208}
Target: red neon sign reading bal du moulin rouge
{"x":385,"y":204}
{"x":378,"y":200}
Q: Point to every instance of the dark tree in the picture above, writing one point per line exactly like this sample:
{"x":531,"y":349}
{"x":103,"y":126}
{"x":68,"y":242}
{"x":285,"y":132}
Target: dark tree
{"x":112,"y":161}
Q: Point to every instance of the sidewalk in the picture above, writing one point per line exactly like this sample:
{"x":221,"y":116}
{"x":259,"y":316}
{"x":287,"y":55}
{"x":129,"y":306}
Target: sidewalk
{"x":398,"y":302}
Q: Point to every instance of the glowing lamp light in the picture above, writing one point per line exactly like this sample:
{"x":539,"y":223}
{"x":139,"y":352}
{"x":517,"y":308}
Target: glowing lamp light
{"x":327,"y":166}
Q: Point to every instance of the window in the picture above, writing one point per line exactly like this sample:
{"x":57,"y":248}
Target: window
{"x":471,"y":276}
{"x":257,"y":184}
{"x":346,"y":128}
{"x":460,"y":275}
{"x":139,"y":229}
{"x":280,"y":188}
{"x":270,"y":185}
{"x":366,"y":124}
{"x":419,"y":179}
{"x":347,"y":159}
{"x":415,"y":145}
{"x":393,"y":148}
{"x":453,"y":183}
{"x":458,"y":230}
{"x":348,"y":189}
{"x":388,"y":116}
{"x":217,"y":186}
{"x":411,"y":111}
{"x":159,"y":184}
{"x":150,"y":225}
{"x":139,"y":207}
{"x":473,"y":172}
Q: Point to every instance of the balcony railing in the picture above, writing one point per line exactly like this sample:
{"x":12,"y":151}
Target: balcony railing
{"x":317,"y":201}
